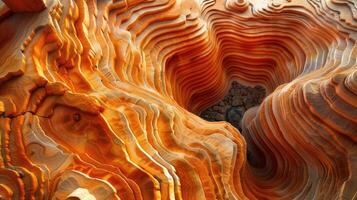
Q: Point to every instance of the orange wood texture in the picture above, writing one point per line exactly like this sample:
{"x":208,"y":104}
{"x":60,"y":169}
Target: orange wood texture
{"x":99,"y":99}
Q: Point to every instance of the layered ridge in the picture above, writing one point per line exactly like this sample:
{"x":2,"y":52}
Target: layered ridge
{"x":98,"y":100}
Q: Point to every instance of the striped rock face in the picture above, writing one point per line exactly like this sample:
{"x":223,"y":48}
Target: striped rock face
{"x":100,"y":99}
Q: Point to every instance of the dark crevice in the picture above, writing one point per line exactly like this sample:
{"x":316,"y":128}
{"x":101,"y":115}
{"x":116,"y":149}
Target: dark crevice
{"x":11,"y":116}
{"x":233,"y":106}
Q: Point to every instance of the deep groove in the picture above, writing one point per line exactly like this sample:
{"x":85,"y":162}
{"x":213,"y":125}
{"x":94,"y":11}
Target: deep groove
{"x":236,"y":102}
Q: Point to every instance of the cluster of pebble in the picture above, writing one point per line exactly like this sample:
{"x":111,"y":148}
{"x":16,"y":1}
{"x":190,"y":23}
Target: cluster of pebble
{"x":232,"y":108}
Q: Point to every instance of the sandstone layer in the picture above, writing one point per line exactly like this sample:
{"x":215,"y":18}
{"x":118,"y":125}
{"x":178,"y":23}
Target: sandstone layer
{"x":99,"y":99}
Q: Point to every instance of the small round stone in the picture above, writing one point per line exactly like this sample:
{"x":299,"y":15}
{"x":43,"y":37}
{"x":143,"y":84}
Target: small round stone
{"x":239,"y":98}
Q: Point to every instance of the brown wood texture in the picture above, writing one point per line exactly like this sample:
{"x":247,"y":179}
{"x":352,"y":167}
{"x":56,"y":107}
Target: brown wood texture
{"x":100,"y":99}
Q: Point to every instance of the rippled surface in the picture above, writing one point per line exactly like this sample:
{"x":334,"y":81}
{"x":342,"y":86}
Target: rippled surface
{"x":99,"y":99}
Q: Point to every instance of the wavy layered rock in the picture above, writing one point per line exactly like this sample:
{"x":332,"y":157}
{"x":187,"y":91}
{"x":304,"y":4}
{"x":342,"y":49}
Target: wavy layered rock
{"x":100,"y":99}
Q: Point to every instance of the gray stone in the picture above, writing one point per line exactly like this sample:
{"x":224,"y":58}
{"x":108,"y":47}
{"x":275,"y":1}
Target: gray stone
{"x":216,"y":108}
{"x":237,"y":101}
{"x":234,"y":114}
{"x":220,"y":117}
{"x":234,"y":104}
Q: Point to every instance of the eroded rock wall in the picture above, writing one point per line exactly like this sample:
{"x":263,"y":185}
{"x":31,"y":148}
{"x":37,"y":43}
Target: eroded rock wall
{"x":98,"y":99}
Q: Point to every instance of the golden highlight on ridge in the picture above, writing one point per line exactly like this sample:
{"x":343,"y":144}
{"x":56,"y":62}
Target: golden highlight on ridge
{"x":100,"y":99}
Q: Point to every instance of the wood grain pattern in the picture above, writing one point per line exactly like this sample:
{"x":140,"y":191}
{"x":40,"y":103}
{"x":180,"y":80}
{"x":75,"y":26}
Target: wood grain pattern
{"x":99,"y":99}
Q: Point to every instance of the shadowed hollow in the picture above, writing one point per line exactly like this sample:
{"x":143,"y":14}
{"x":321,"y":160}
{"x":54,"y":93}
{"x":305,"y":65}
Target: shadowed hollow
{"x":234,"y":104}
